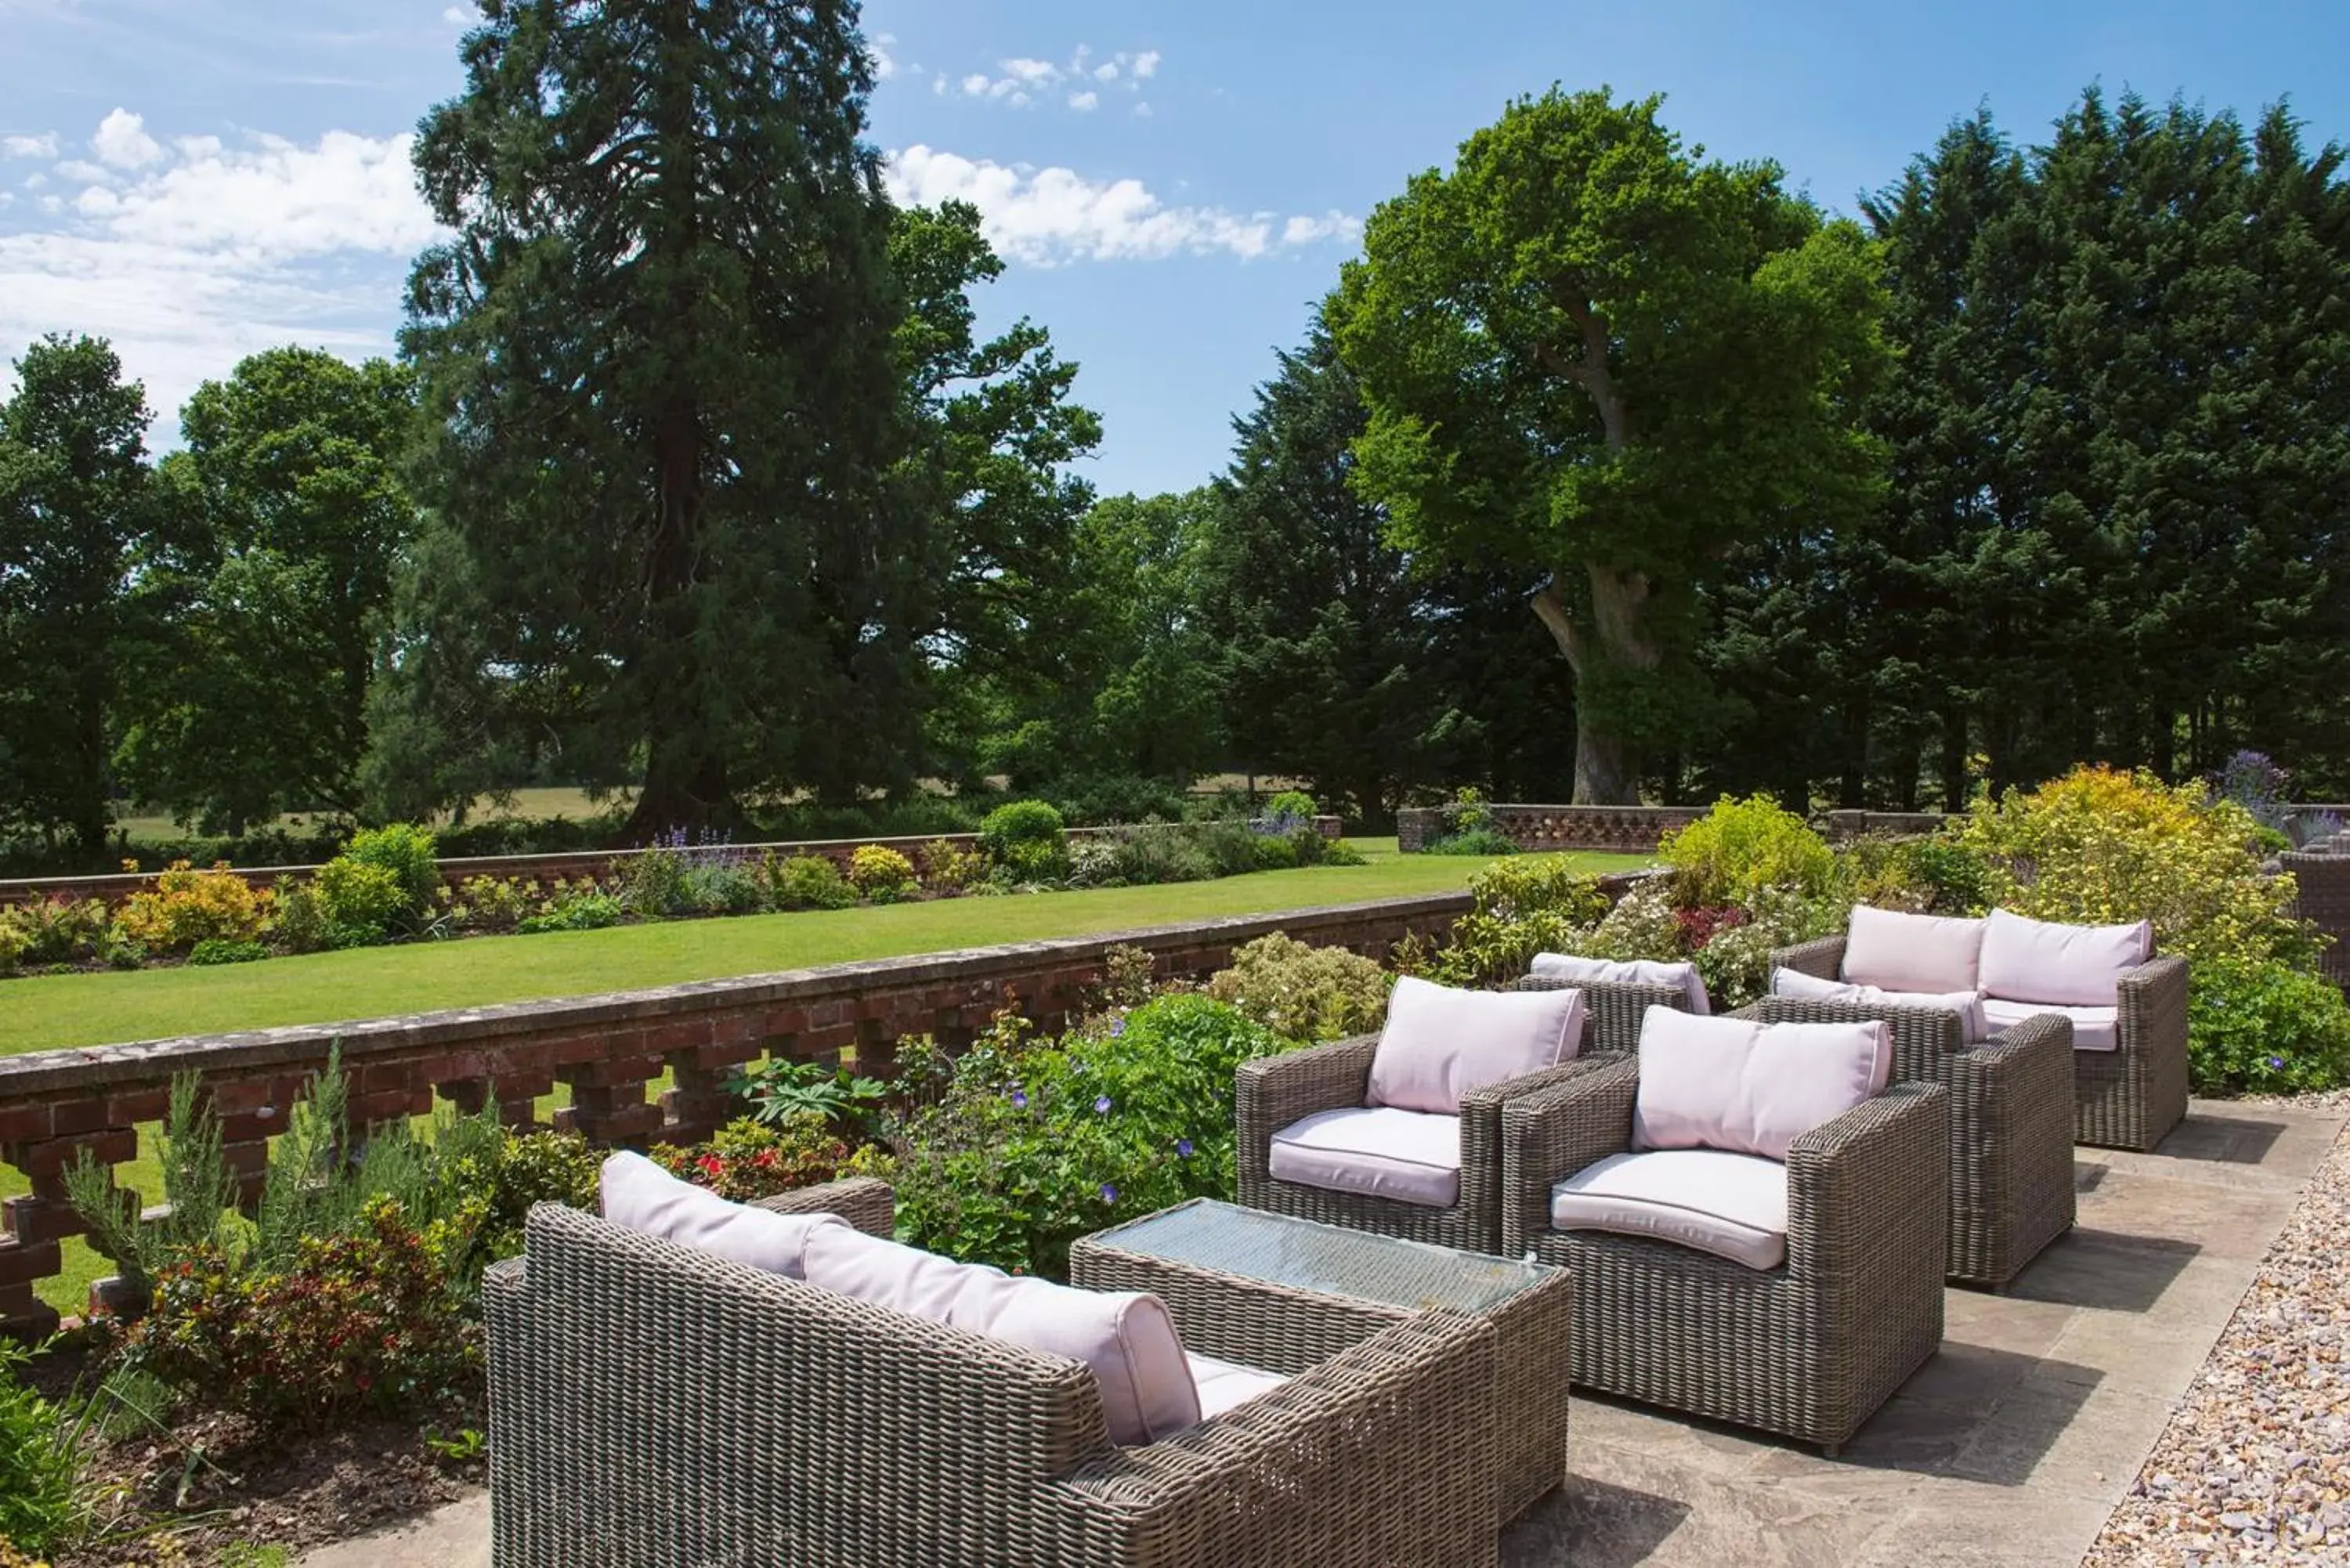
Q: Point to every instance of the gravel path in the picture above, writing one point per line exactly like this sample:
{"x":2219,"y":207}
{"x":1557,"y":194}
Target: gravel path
{"x":2255,"y":1464}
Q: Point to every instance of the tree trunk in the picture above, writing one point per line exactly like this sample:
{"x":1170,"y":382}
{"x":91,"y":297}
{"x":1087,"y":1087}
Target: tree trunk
{"x":1607,"y":763}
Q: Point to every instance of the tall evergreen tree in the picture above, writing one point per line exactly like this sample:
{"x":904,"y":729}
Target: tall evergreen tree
{"x":659,"y":355}
{"x":75,"y":493}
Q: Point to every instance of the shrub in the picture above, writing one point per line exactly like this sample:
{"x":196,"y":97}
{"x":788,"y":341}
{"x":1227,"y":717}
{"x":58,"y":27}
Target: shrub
{"x":357,"y":901}
{"x":2101,"y":846}
{"x":216,"y":950}
{"x":1160,"y":852}
{"x":1483,"y":841}
{"x":1096,"y":863}
{"x":1032,"y":1145}
{"x":493,"y":903}
{"x":511,"y":1173}
{"x":1741,"y":847}
{"x":780,"y":1090}
{"x":1303,"y":993}
{"x":1115,"y":798}
{"x":55,"y":931}
{"x":652,"y":882}
{"x":806,"y":882}
{"x":949,"y":867}
{"x":880,"y":873}
{"x":1735,"y":959}
{"x":1026,"y":841}
{"x":1294,"y":804}
{"x":2265,"y":1028}
{"x":1274,"y":852}
{"x":581,"y":906}
{"x":187,"y":906}
{"x":1523,"y":906}
{"x":300,"y":919}
{"x":1229,"y":846}
{"x":746,"y":1160}
{"x":43,"y":1495}
{"x":405,"y":852}
{"x":2251,"y":780}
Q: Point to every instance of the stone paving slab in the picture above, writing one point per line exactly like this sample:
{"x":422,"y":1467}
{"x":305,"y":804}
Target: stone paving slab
{"x":2010,"y":1448}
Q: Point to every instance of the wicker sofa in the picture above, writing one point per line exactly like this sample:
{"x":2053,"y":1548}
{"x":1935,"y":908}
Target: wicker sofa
{"x":1808,"y":1348}
{"x":2322,"y":896}
{"x":652,"y":1403}
{"x":1277,"y":1092}
{"x":2011,"y":1106}
{"x":2130,"y":1097}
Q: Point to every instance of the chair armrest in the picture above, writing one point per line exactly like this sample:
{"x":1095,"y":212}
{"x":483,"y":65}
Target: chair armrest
{"x":1550,"y":1133}
{"x":1271,"y":1092}
{"x":1822,"y":956}
{"x":863,"y":1201}
{"x":1867,"y":1184}
{"x":2152,"y":1004}
{"x":1384,"y":1452}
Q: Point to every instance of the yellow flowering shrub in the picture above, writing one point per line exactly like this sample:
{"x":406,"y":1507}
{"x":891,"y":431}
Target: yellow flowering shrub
{"x":187,"y":906}
{"x":2101,"y":846}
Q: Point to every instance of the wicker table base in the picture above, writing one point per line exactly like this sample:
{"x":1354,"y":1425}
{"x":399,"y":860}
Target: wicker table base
{"x":1294,"y":1293}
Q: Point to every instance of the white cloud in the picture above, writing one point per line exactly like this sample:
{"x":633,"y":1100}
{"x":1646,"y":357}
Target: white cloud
{"x":1142,"y":111}
{"x":460,"y":15}
{"x":1017,"y":80}
{"x":123,"y":141}
{"x":88,"y":173}
{"x":975,"y":84}
{"x":939,"y":83}
{"x":885,"y":64}
{"x":1331,"y":225}
{"x":8,"y":198}
{"x":1083,"y":101}
{"x":1035,"y":73}
{"x":43,"y":146}
{"x":1047,"y":216}
{"x":1145,"y":64}
{"x":1107,"y":71}
{"x":215,"y":253}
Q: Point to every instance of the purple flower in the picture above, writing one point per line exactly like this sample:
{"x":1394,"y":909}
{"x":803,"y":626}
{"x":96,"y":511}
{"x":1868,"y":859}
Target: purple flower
{"x":1183,"y":1147}
{"x":1116,"y":1027}
{"x":1109,"y":1193}
{"x":1019,"y":1099}
{"x":2276,"y":1064}
{"x":1101,"y":1106}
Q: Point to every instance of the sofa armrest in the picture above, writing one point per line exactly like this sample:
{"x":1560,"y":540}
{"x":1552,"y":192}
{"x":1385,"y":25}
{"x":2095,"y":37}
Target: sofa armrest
{"x":863,"y":1201}
{"x":1869,"y":1185}
{"x":1384,"y":1452}
{"x":2152,"y":1004}
{"x":1552,"y":1133}
{"x":1271,"y":1092}
{"x":1822,"y":956}
{"x":1612,"y":1009}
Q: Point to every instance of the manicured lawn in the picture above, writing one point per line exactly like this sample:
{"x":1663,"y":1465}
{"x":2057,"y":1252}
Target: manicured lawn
{"x":93,"y":1009}
{"x":50,"y":1012}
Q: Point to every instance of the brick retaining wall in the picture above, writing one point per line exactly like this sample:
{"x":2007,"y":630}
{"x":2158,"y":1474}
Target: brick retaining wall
{"x":1627,"y":829}
{"x":608,"y":1049}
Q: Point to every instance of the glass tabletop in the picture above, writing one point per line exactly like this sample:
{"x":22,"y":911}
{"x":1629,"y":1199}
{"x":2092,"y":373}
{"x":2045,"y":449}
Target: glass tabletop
{"x":1306,"y":1255}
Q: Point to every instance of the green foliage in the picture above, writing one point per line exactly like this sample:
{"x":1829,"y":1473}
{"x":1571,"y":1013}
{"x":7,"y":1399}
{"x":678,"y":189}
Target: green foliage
{"x":1735,"y":961}
{"x":1941,"y":875}
{"x":217,"y":949}
{"x":1303,"y":993}
{"x":2263,"y":1027}
{"x":1483,"y":841}
{"x":781,"y":1090}
{"x":46,"y":1495}
{"x":359,"y":901}
{"x":406,"y":852}
{"x":55,"y":929}
{"x":1025,"y":841}
{"x":510,"y":1173}
{"x":949,"y":867}
{"x":1524,"y":904}
{"x":1292,"y":802}
{"x":187,"y":907}
{"x":806,"y":882}
{"x":880,"y":874}
{"x":580,"y":905}
{"x":299,"y":921}
{"x":493,"y":903}
{"x":750,"y":1160}
{"x":1741,"y":847}
{"x":1033,"y":1145}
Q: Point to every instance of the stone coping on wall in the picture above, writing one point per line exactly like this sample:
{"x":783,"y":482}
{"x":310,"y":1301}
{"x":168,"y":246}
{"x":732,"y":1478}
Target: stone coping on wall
{"x":1632,"y":830}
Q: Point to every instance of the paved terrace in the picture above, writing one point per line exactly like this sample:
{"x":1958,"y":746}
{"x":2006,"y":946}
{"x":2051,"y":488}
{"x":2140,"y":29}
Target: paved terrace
{"x":2012,"y":1448}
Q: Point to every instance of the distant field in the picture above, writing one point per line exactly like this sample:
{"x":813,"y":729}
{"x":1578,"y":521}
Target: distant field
{"x":57,"y":1011}
{"x":527,"y":804}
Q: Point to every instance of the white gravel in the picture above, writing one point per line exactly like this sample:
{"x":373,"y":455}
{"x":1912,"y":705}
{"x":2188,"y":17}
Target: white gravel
{"x":2255,"y":1464}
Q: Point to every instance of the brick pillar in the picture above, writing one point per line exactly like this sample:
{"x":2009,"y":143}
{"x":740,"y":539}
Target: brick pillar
{"x":608,"y":1099}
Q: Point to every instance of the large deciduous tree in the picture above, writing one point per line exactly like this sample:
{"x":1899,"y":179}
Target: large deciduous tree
{"x":659,"y":353}
{"x":267,"y":583}
{"x":74,"y":495}
{"x":1596,"y":356}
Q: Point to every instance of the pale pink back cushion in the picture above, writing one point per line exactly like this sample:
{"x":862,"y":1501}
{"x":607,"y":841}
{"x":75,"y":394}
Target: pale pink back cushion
{"x":2076,"y":966}
{"x":1626,"y":972}
{"x":1440,"y":1043}
{"x":1126,"y":1337}
{"x":1973,"y":1023}
{"x":1750,"y":1088}
{"x":640,"y":1195}
{"x":1912,"y":952}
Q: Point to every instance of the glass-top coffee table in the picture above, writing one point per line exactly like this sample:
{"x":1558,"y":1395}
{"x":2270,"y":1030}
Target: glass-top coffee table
{"x":1293,"y":1292}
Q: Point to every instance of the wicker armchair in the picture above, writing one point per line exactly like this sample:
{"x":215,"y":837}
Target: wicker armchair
{"x":2128,"y":1097}
{"x":2321,"y":897}
{"x":1809,"y":1349}
{"x":2010,"y":1103}
{"x":1276,"y":1091}
{"x":654,"y":1404}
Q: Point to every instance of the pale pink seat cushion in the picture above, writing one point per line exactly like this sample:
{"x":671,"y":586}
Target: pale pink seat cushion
{"x":2093,"y":1028}
{"x":1380,"y":1151}
{"x":1126,"y":1337}
{"x":1734,"y":1206}
{"x":1227,"y":1385}
{"x":641,"y":1195}
{"x":1794,"y":982}
{"x":1626,"y":972}
{"x":2043,"y":961}
{"x":1750,"y":1088}
{"x":1441,"y":1044}
{"x":1901,"y":951}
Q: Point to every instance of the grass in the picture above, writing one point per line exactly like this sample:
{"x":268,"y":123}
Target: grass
{"x":51,"y":1011}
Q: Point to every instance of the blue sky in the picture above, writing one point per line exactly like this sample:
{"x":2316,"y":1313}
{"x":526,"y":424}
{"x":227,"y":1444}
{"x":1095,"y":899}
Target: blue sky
{"x":1174,"y":183}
